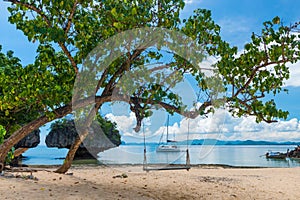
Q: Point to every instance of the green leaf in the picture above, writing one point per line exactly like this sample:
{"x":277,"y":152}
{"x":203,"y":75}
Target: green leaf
{"x":276,"y":20}
{"x":118,"y":25}
{"x":114,"y":12}
{"x":134,"y":11}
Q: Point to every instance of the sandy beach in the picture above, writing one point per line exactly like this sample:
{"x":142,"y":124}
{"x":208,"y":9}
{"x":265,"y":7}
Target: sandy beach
{"x":130,"y":182}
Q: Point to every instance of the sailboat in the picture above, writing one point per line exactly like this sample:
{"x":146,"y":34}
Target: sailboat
{"x":169,"y":145}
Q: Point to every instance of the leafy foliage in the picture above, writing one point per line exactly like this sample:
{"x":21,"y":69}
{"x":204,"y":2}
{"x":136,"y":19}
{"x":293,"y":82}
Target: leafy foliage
{"x":27,"y":92}
{"x":2,"y":134}
{"x":67,"y":31}
{"x":77,"y":27}
{"x":261,"y":69}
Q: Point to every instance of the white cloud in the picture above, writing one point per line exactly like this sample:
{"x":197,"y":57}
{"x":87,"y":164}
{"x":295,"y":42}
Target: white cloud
{"x":220,"y":125}
{"x":152,"y":127}
{"x":294,"y":75}
{"x":206,"y":66}
{"x":189,"y":1}
{"x":247,"y":125}
{"x":248,"y":129}
{"x":236,"y":25}
{"x":124,"y":123}
{"x":287,"y":126}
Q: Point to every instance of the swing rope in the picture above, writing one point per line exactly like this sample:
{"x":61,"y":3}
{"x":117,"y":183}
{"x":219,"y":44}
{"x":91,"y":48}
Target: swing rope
{"x":187,"y":165}
{"x":145,"y":151}
{"x":188,"y":161}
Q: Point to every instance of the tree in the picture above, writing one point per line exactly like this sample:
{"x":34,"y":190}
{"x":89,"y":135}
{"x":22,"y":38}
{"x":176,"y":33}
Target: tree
{"x":68,"y":31}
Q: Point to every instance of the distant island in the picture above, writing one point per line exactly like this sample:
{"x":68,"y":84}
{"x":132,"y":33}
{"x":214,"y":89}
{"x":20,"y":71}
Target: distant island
{"x":220,"y":142}
{"x":239,"y":142}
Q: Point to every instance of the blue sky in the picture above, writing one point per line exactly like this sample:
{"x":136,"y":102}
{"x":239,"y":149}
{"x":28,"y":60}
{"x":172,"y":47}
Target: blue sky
{"x":238,"y":19}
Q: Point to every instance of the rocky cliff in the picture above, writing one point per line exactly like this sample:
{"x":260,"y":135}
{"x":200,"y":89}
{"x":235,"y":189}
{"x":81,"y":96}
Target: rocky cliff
{"x":30,"y":141}
{"x":101,"y":137}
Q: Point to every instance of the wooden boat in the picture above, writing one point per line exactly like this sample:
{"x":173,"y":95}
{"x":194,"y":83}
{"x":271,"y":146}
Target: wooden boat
{"x":276,"y":155}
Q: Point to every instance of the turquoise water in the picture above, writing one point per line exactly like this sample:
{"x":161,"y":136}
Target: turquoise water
{"x":41,"y":155}
{"x":205,"y":154}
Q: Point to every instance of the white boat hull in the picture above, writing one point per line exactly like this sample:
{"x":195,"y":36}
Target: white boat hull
{"x":168,"y":148}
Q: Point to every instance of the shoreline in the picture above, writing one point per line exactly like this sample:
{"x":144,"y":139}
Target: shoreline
{"x":224,"y":166}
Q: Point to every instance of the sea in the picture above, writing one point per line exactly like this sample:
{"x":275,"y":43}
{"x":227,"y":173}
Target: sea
{"x":232,"y":155}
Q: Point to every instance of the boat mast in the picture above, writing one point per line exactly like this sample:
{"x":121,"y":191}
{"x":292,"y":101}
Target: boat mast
{"x":168,"y":129}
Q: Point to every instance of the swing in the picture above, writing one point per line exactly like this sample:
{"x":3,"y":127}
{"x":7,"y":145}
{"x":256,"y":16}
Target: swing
{"x":186,"y":166}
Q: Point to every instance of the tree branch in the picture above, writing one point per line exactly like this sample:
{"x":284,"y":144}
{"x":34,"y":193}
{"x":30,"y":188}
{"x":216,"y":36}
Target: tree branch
{"x":256,"y":69}
{"x":249,"y":109}
{"x":49,"y":24}
{"x":35,"y":124}
{"x":31,"y":7}
{"x":122,"y":69}
{"x":67,"y":28}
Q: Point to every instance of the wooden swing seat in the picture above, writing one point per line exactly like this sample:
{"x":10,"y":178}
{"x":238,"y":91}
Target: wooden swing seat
{"x":168,"y":167}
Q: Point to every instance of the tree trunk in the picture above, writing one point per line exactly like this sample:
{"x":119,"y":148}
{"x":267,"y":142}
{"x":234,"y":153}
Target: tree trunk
{"x":19,"y":151}
{"x":28,"y":128}
{"x":159,"y":5}
{"x":17,"y":136}
{"x":82,"y":135}
{"x":25,"y":130}
{"x":71,"y":153}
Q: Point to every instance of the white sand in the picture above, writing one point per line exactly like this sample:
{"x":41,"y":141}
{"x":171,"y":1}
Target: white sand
{"x":92,"y":182}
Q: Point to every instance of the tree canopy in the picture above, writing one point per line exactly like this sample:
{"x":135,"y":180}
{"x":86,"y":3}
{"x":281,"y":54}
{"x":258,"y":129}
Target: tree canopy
{"x":67,"y":32}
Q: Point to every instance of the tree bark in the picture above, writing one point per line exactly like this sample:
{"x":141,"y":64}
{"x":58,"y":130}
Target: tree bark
{"x":19,"y":151}
{"x":28,"y":128}
{"x":82,"y":135}
{"x":25,"y":130}
{"x":71,"y":153}
{"x":19,"y":135}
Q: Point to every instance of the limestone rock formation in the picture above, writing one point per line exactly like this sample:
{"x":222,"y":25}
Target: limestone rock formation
{"x":30,"y":141}
{"x":101,"y":137}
